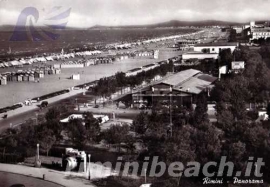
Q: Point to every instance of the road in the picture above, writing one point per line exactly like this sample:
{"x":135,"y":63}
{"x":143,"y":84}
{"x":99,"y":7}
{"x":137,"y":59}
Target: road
{"x":16,"y":117}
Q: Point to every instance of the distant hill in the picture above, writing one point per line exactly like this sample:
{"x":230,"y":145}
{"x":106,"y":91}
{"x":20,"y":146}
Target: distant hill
{"x":175,"y":23}
{"x":172,"y":23}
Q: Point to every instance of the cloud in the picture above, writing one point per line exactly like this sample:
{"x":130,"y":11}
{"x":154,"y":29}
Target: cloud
{"x":86,"y":13}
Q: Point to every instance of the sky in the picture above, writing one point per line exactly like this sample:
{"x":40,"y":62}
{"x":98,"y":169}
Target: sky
{"x":87,"y":13}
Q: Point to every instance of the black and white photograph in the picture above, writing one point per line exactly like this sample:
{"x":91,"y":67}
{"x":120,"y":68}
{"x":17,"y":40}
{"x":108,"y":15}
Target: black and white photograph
{"x":134,"y":93}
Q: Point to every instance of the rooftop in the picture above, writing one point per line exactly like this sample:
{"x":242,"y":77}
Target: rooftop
{"x":217,"y":44}
{"x":180,"y":77}
{"x":191,"y":80}
{"x":266,"y":29}
{"x":198,"y":53}
{"x":197,"y":83}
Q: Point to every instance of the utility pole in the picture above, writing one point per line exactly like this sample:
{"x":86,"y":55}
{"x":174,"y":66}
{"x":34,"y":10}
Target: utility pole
{"x":145,"y":176}
{"x":171,"y":124}
{"x":89,"y":174}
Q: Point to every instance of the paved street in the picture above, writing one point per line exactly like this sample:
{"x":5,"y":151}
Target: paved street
{"x":68,"y":179}
{"x":18,"y":116}
{"x":8,"y":179}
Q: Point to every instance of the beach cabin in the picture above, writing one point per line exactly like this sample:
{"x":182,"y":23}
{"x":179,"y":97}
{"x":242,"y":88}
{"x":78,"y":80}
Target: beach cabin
{"x":3,"y":80}
{"x":14,"y":77}
{"x":31,"y":78}
{"x":76,"y":77}
{"x":19,"y":78}
{"x":25,"y":77}
{"x":57,"y":71}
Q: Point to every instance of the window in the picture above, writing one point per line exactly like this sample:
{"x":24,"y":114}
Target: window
{"x":213,"y":49}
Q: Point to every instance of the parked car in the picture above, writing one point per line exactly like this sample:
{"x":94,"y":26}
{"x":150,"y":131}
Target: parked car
{"x":34,"y":101}
{"x":142,"y":106}
{"x":17,"y":185}
{"x":5,"y":116}
{"x":44,"y":104}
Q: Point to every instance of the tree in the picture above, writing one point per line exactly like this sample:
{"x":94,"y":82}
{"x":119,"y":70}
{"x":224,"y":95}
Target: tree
{"x":46,"y":138}
{"x":53,"y":114}
{"x":226,"y":56}
{"x":207,"y":142}
{"x":130,"y":141}
{"x":53,"y":117}
{"x":140,"y":123}
{"x":234,"y":93}
{"x":77,"y":132}
{"x":120,"y":79}
{"x":200,"y":113}
{"x":92,"y":127}
{"x":116,"y":134}
{"x":268,"y":109}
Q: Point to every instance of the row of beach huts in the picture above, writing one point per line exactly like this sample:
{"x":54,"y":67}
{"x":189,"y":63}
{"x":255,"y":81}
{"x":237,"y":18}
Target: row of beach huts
{"x":145,"y":68}
{"x":70,"y":64}
{"x":105,"y":60}
{"x":148,"y":41}
{"x":33,"y":75}
{"x":43,"y":59}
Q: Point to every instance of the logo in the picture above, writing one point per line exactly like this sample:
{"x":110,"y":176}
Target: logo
{"x":35,"y":25}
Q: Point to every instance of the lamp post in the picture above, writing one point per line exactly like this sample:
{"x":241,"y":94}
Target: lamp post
{"x":36,"y":118}
{"x":181,"y":97}
{"x":171,"y":110}
{"x":37,"y":152}
{"x":145,"y":176}
{"x":153,"y":90}
{"x":89,"y":172}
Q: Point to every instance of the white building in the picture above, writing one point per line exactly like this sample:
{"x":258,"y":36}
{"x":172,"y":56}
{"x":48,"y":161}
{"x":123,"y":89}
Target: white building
{"x":76,"y":77}
{"x":238,"y":65}
{"x":102,"y":118}
{"x":156,"y":54}
{"x":215,"y":47}
{"x":257,"y":33}
{"x":199,"y":55}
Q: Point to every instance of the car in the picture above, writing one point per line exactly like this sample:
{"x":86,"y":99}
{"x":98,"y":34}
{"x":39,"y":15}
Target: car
{"x":33,"y":101}
{"x":142,"y":106}
{"x":96,"y":106}
{"x":5,"y":116}
{"x":17,"y":185}
{"x":44,"y":104}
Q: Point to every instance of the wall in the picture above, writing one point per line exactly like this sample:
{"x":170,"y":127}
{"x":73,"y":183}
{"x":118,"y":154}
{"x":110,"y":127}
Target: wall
{"x":213,"y":49}
{"x":199,"y":56}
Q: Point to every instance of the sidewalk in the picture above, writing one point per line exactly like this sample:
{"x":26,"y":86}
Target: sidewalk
{"x":68,"y":179}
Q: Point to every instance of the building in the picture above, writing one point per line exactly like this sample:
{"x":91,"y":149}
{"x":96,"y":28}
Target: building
{"x":183,"y":87}
{"x":39,"y":74}
{"x":199,"y":56}
{"x":133,"y":72}
{"x":76,"y":77}
{"x":73,"y":159}
{"x":237,"y":66}
{"x":156,"y":54}
{"x":31,"y":78}
{"x":25,"y":77}
{"x":223,"y":70}
{"x":187,"y":44}
{"x":57,"y":71}
{"x":215,"y":47}
{"x":101,"y":118}
{"x":3,"y":80}
{"x":257,"y":33}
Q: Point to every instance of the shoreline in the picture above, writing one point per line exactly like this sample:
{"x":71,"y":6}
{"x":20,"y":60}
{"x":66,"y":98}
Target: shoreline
{"x":103,"y":43}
